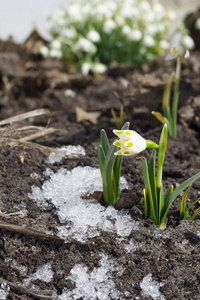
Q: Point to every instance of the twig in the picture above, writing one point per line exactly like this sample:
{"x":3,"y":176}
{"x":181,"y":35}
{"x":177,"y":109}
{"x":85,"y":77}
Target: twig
{"x":41,"y":294}
{"x":27,"y":231}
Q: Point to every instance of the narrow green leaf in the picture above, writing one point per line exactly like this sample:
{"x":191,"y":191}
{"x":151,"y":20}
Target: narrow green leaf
{"x":101,"y":158}
{"x":104,"y":141}
{"x":149,"y":198}
{"x":195,"y":214}
{"x":144,"y":203}
{"x":109,"y":196}
{"x":152,"y":179}
{"x":115,"y":118}
{"x":161,"y":155}
{"x":160,"y":192}
{"x":183,"y":211}
{"x":160,"y":117}
{"x":166,"y":99}
{"x":187,"y":210}
{"x":117,"y":173}
{"x":125,"y":126}
{"x":176,"y":192}
{"x":167,"y":195}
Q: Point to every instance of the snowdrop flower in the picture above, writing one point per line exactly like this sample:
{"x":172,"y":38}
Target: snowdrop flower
{"x":131,"y":143}
{"x":178,"y":50}
{"x":164,"y":44}
{"x":109,"y":25}
{"x":44,"y":51}
{"x":74,"y":11}
{"x":135,"y":35}
{"x":55,"y":53}
{"x":99,"y":68}
{"x":188,"y":42}
{"x":59,"y":17}
{"x":126,"y":30}
{"x":85,"y":45}
{"x":159,"y":10}
{"x":148,"y":41}
{"x":197,"y":24}
{"x":56,"y":44}
{"x":151,"y":29}
{"x":69,"y":33}
{"x":171,"y":14}
{"x":86,"y":67}
{"x":145,"y":6}
{"x":93,"y":36}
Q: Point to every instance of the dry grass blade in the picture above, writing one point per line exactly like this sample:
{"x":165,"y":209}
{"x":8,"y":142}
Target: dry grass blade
{"x":36,"y":135}
{"x":30,"y":114}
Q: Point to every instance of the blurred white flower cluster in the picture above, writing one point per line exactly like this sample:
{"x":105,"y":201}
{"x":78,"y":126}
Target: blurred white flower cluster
{"x":94,"y":33}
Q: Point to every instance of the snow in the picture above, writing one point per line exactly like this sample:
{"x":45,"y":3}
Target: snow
{"x":82,"y":218}
{"x":151,"y":288}
{"x":94,"y":285}
{"x":67,"y":150}
{"x":4,"y":290}
{"x":44,"y":273}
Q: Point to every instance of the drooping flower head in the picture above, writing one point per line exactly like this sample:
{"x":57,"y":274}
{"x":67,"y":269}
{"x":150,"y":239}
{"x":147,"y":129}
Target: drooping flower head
{"x":131,"y":143}
{"x":178,"y":50}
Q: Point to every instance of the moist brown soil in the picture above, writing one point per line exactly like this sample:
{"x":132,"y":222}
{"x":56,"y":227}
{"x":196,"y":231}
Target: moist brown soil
{"x":27,"y":83}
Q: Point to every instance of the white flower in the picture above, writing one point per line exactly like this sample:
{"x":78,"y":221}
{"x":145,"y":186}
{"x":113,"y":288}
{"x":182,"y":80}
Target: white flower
{"x":44,"y":51}
{"x":85,"y":45}
{"x":164,"y":44}
{"x":148,"y":41}
{"x":93,"y":36}
{"x":135,"y":35}
{"x":177,"y":50}
{"x":197,"y":24}
{"x":55,"y":53}
{"x":159,"y":10}
{"x":56,"y":44}
{"x":130,"y":142}
{"x":69,"y":33}
{"x":74,"y":11}
{"x":59,"y":17}
{"x":99,"y":68}
{"x":171,"y":14}
{"x":151,"y":29}
{"x":145,"y":6}
{"x":188,"y":42}
{"x":86,"y":67}
{"x":126,"y":30}
{"x":109,"y":25}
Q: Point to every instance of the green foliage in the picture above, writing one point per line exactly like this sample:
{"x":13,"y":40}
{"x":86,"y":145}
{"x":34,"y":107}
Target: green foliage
{"x":118,"y":121}
{"x":183,"y":210}
{"x":156,"y":204}
{"x":110,"y":167}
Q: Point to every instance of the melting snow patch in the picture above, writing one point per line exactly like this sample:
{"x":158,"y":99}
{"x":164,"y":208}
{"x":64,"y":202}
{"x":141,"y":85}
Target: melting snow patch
{"x":45,"y":273}
{"x":67,"y":150}
{"x":95,"y":285}
{"x":4,"y":290}
{"x":82,"y":217}
{"x":151,"y":288}
{"x":133,"y":246}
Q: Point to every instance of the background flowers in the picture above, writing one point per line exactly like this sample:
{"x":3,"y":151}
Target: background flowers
{"x":93,"y":32}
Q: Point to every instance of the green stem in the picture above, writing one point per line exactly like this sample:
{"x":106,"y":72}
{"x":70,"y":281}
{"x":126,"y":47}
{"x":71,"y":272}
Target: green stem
{"x":176,"y":97}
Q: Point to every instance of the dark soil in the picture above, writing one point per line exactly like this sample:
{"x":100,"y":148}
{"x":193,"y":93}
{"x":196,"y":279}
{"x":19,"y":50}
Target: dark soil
{"x":172,"y":256}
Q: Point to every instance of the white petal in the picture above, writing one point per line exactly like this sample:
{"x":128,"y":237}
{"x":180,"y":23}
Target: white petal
{"x":170,"y":56}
